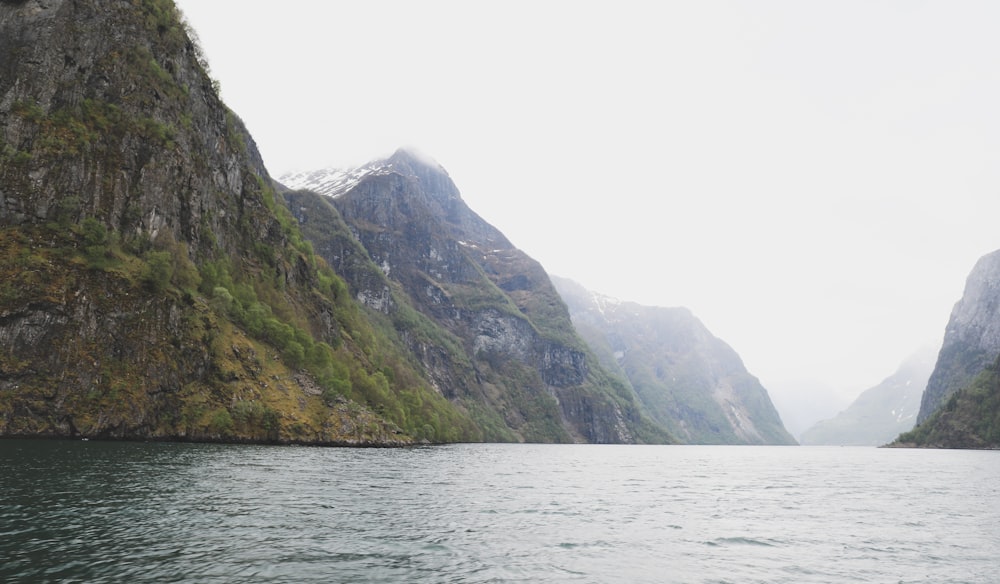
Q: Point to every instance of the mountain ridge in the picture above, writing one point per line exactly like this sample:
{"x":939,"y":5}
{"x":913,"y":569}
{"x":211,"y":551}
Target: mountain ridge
{"x":493,"y":332}
{"x":880,"y":413}
{"x":689,"y":380}
{"x":333,"y":181}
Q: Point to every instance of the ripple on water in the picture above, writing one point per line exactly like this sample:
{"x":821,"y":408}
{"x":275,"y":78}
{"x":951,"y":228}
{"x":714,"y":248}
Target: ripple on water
{"x":106,"y":512}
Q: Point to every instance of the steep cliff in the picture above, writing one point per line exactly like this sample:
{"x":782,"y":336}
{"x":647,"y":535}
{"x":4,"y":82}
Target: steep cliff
{"x":880,"y":413}
{"x":481,"y":317}
{"x":971,"y":339}
{"x":961,"y":405}
{"x":151,"y":285}
{"x":690,"y":381}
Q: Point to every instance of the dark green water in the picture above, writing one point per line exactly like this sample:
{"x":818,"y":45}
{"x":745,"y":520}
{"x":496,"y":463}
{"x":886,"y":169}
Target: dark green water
{"x":129,"y":512}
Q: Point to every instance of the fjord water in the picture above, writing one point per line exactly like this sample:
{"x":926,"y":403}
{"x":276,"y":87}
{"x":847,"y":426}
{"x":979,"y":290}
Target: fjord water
{"x":131,"y":512}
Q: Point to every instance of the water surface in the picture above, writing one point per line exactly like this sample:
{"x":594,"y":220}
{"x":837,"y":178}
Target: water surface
{"x":117,"y":512}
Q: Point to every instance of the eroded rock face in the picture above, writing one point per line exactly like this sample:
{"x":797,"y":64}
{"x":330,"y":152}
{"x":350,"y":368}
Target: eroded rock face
{"x":64,"y":353}
{"x":972,"y":337}
{"x":105,"y":112}
{"x":502,"y":334}
{"x":512,"y":349}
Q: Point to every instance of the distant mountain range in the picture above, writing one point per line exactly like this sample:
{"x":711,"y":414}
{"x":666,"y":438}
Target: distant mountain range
{"x":880,"y":413}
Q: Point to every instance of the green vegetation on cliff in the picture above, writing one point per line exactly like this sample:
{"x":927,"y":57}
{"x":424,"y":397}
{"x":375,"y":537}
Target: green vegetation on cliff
{"x":154,"y":286}
{"x":479,"y":316}
{"x":173,"y":352}
{"x":151,"y":284}
{"x":970,"y":418}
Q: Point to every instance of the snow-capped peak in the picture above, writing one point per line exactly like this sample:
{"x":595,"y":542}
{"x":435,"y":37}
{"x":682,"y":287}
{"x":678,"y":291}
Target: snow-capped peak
{"x":332,"y":182}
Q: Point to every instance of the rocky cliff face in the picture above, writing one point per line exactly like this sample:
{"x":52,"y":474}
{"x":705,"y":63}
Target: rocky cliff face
{"x":880,"y":413}
{"x":107,"y":113}
{"x":151,"y":286}
{"x":971,"y":339}
{"x":481,"y":316}
{"x":961,"y":406}
{"x":690,"y":381}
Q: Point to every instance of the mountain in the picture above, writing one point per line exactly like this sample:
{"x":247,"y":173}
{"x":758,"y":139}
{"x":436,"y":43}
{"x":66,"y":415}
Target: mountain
{"x":961,"y":405}
{"x":880,"y":413}
{"x":478,"y":315}
{"x":152,"y":283}
{"x":971,"y":339}
{"x":690,"y":381}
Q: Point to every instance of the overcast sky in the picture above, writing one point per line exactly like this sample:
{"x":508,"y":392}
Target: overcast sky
{"x":814,"y":180}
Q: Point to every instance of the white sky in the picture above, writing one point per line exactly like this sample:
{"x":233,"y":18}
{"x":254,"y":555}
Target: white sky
{"x":814,"y":180}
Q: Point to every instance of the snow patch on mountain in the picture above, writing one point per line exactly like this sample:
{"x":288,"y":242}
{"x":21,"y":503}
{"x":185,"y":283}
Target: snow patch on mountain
{"x":332,"y":182}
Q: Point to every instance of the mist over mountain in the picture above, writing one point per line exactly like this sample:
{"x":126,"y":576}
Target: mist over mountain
{"x":480,"y":317}
{"x":881,"y":412}
{"x":690,"y":381}
{"x":804,"y":402}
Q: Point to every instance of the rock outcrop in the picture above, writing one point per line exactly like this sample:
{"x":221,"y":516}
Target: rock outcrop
{"x":688,"y":380}
{"x":107,"y":113}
